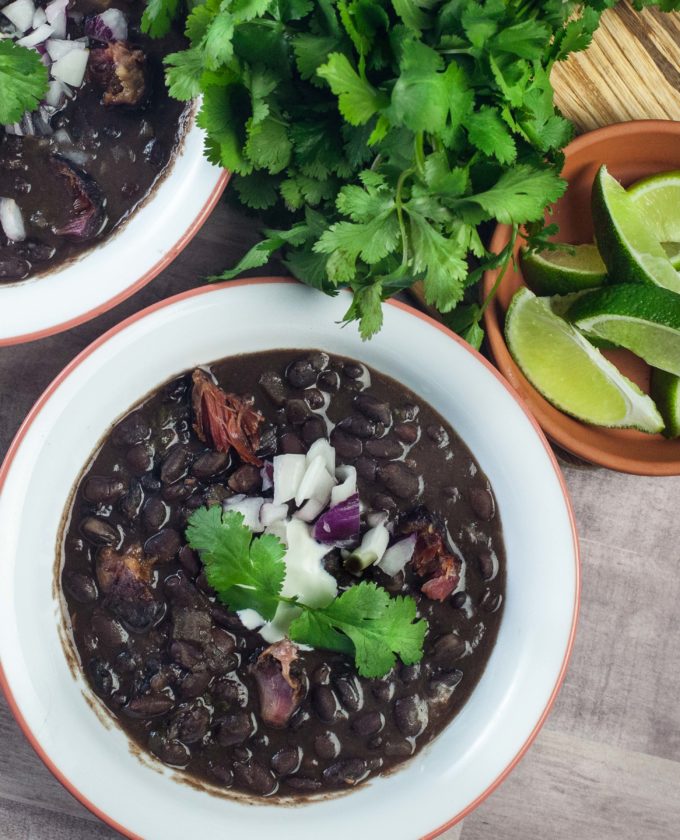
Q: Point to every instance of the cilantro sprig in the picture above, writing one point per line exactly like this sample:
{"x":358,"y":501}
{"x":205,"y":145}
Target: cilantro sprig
{"x":375,"y":137}
{"x":247,"y":572}
{"x":23,"y":81}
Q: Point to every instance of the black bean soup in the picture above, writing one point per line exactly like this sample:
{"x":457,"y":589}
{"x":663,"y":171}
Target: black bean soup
{"x":180,"y":672}
{"x":77,"y":169}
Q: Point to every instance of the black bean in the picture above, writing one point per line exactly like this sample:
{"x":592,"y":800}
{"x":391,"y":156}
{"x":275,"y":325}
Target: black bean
{"x":407,"y":413}
{"x":381,"y":501}
{"x":299,"y":719}
{"x":406,"y":432}
{"x":36,"y":251}
{"x":321,"y":675}
{"x":346,"y":446}
{"x":268,"y":443}
{"x":209,"y":464}
{"x":325,"y":703}
{"x":224,"y":618}
{"x":458,"y":600}
{"x":297,"y":411}
{"x":302,"y":784}
{"x":232,"y":691}
{"x":171,"y":752}
{"x":313,"y":429}
{"x":486,"y":564}
{"x":189,"y":560}
{"x":175,"y":464}
{"x":286,"y":761}
{"x":126,"y":663}
{"x":327,"y":745}
{"x":190,"y":725}
{"x":100,"y":676}
{"x":349,"y":771}
{"x":439,"y":435}
{"x":319,"y":360}
{"x":255,"y":777}
{"x":482,"y":504}
{"x":104,"y":489}
{"x":386,"y":447}
{"x":329,"y":381}
{"x":109,"y":631}
{"x":441,"y":688}
{"x":13,"y":268}
{"x":99,"y":532}
{"x":131,"y":502}
{"x":179,"y":491}
{"x":358,"y":425}
{"x":223,"y":774}
{"x":410,"y":715}
{"x":131,"y":430}
{"x":185,"y":654}
{"x":398,"y":749}
{"x":290,"y":444}
{"x":246,"y":479}
{"x":399,"y":480}
{"x":369,"y":724}
{"x":366,"y":467}
{"x":81,"y":587}
{"x":149,"y":706}
{"x":315,"y":398}
{"x":301,"y":374}
{"x":193,"y":685}
{"x":203,"y":585}
{"x":180,"y":591}
{"x":272,"y":384}
{"x":491,"y":601}
{"x":409,"y":673}
{"x":373,"y":408}
{"x":350,"y":692}
{"x":383,"y":691}
{"x":139,"y":458}
{"x":175,"y":391}
{"x":164,"y":545}
{"x":190,"y":625}
{"x":352,"y":370}
{"x":154,"y":514}
{"x":447,"y":649}
{"x":150,"y":483}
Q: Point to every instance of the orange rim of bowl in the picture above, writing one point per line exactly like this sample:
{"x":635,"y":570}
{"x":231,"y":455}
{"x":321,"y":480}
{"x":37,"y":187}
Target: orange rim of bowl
{"x":496,"y":338}
{"x":169,"y":257}
{"x":258,"y":281}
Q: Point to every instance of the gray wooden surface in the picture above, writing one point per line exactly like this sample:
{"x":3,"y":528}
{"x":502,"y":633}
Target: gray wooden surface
{"x":606,"y":765}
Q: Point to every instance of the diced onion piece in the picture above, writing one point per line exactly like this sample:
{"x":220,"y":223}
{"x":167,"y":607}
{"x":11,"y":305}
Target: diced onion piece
{"x":11,"y":220}
{"x":270,"y":513}
{"x":62,"y":136}
{"x":110,"y":25}
{"x":20,"y":13}
{"x":267,"y":475}
{"x":377,"y":517}
{"x":56,"y":15}
{"x":316,"y":483}
{"x":250,"y":619}
{"x":371,"y":550}
{"x":340,"y":523}
{"x":249,"y":507}
{"x":71,"y":68}
{"x":38,"y":18}
{"x":58,"y":48}
{"x":348,"y":476}
{"x":322,"y":447}
{"x":42,"y":33}
{"x":309,"y":511}
{"x":398,"y":555}
{"x":56,"y":94}
{"x":288,"y":473}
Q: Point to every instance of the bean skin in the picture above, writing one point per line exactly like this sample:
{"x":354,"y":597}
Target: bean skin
{"x":104,"y":489}
{"x":373,"y":408}
{"x":99,"y":532}
{"x":346,"y":446}
{"x":481,"y":502}
{"x":325,"y":703}
{"x":148,"y":706}
{"x":286,"y":760}
{"x":255,"y":777}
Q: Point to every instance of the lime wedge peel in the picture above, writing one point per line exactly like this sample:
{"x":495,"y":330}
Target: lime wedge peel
{"x":643,"y":319}
{"x":666,"y":394}
{"x":569,"y":372}
{"x":657,"y":200}
{"x":629,"y":248}
{"x":672,"y":250}
{"x":561,"y":272}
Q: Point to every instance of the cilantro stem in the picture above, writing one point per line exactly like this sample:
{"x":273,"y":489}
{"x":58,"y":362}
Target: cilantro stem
{"x":400,"y":215}
{"x":501,"y":274}
{"x":420,"y":152}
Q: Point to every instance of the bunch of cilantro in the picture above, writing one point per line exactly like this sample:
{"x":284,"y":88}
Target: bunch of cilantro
{"x":376,"y":136}
{"x":247,"y":572}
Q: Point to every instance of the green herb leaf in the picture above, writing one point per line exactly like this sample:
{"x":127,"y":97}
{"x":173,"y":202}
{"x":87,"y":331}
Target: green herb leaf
{"x":23,"y":81}
{"x":358,"y":100}
{"x":158,"y":17}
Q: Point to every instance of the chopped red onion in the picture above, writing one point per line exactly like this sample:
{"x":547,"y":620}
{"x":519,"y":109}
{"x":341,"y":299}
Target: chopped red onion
{"x":58,"y":48}
{"x":11,"y":220}
{"x":20,"y":13}
{"x":288,"y":473}
{"x":309,"y":511}
{"x":71,"y":68}
{"x":270,"y":513}
{"x":42,"y":33}
{"x":398,"y":555}
{"x":110,"y":25}
{"x":340,"y":523}
{"x":249,"y":507}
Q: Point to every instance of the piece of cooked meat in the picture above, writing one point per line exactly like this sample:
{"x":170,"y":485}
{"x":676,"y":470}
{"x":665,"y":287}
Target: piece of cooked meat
{"x":120,"y":70}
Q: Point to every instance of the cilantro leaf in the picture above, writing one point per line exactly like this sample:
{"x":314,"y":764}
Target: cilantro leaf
{"x":520,"y":195}
{"x":490,"y":134}
{"x":247,"y":573}
{"x":23,"y":81}
{"x":358,"y":100}
{"x":158,"y":17}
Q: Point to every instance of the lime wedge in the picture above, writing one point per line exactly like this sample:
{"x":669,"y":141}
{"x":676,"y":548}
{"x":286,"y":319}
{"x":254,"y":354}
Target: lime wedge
{"x":570,"y":373}
{"x":562,"y":272}
{"x":672,"y":250}
{"x":657,"y":200}
{"x":628,"y":246}
{"x":644,"y":319}
{"x":666,"y":393}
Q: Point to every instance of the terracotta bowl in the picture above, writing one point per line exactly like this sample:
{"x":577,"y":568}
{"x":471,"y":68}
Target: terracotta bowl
{"x":631,"y":151}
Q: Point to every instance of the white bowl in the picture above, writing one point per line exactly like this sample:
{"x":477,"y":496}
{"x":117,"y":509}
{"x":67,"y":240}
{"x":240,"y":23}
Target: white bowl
{"x":126,"y":261}
{"x":472,"y":755}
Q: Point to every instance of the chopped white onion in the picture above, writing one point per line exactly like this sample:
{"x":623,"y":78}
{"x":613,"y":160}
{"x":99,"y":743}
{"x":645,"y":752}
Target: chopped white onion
{"x":288,"y":473}
{"x":341,"y":492}
{"x":249,"y":507}
{"x":322,"y":447}
{"x":38,"y":18}
{"x":58,"y":48}
{"x":309,"y":511}
{"x":270,"y":513}
{"x":110,"y":25}
{"x":398,"y":555}
{"x":63,"y":137}
{"x":71,"y":68}
{"x":56,"y":94}
{"x":42,"y":33}
{"x":11,"y":220}
{"x":56,"y":15}
{"x":316,"y":483}
{"x":250,"y":619}
{"x":20,"y":13}
{"x":377,"y":517}
{"x":76,"y":156}
{"x":371,"y":550}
